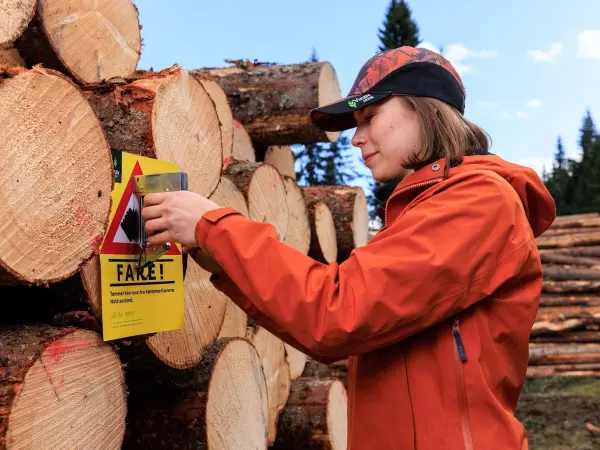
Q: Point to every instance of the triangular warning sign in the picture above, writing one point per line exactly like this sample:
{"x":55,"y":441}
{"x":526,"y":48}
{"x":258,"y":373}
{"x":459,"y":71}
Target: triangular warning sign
{"x":122,"y":236}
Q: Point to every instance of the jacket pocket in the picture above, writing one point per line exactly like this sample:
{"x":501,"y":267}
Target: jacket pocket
{"x":460,"y":358}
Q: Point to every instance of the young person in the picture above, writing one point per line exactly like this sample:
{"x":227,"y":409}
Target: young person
{"x":435,"y":311}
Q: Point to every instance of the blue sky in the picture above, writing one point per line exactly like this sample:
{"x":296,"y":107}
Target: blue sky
{"x":531,"y":68}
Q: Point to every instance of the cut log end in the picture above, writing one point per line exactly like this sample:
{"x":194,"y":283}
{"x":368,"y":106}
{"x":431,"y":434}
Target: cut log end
{"x":185,"y":130}
{"x":296,"y":360}
{"x":271,"y":352}
{"x":90,"y":279}
{"x":298,"y":233}
{"x":329,"y":92}
{"x":93,"y":41}
{"x":67,"y":164}
{"x":237,"y":379}
{"x":203,"y":316}
{"x":360,"y":219}
{"x":228,"y":195}
{"x":243,"y":149}
{"x":74,"y":393}
{"x":282,"y":158}
{"x":315,"y":417}
{"x":15,"y":16}
{"x":222,"y":405}
{"x":10,"y":57}
{"x":337,"y":412}
{"x":219,"y":97}
{"x":267,"y":200}
{"x":325,"y":231}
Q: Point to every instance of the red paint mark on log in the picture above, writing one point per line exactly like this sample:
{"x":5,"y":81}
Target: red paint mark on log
{"x":96,"y":242}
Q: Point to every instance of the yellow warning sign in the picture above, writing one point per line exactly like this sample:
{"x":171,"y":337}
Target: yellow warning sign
{"x":137,"y":302}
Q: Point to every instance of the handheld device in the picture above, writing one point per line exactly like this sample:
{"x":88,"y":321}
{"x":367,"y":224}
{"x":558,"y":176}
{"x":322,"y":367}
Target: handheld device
{"x":151,"y":184}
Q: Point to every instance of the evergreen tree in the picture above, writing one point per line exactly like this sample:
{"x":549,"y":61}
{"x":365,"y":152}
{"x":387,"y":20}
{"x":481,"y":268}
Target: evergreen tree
{"x":586,"y":181}
{"x":557,"y":180}
{"x":398,"y":28}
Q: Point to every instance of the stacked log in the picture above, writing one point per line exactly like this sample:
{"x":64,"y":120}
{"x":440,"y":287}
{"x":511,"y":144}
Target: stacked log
{"x":272,"y":101}
{"x":89,"y":41}
{"x":216,"y":383}
{"x":60,"y":387}
{"x":565,"y":339}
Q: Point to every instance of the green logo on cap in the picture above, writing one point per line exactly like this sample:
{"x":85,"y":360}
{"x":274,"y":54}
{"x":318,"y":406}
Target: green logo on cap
{"x":352,"y":103}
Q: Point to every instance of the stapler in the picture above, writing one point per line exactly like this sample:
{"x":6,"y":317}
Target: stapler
{"x":151,"y":184}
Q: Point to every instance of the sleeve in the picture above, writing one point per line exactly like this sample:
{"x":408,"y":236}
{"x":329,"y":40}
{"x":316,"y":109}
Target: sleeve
{"x":440,"y":257}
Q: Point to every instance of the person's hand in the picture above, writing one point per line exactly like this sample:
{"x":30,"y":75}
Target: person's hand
{"x":172,"y":216}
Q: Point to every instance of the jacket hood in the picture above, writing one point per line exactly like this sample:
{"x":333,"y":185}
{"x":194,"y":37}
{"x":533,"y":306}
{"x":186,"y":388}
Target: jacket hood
{"x":537,"y":201}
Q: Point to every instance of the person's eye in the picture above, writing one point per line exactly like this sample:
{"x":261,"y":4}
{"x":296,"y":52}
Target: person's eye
{"x":369,"y":117}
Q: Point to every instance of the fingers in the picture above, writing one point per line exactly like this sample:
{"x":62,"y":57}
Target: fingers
{"x":160,"y":238}
{"x":154,"y":199}
{"x":154,"y":225}
{"x":151,"y":212}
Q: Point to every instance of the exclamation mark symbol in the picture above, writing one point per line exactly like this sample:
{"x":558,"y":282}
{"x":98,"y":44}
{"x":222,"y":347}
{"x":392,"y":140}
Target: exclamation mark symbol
{"x":161,"y":271}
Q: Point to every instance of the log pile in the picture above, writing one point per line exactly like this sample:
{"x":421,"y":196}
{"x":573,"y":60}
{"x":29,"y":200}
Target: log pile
{"x":565,"y":339}
{"x":70,"y":90}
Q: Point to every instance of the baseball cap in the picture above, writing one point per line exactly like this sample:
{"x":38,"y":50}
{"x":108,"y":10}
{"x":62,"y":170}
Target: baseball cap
{"x":400,"y":71}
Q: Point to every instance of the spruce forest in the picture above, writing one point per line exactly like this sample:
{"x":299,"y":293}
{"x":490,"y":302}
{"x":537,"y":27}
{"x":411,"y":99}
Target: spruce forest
{"x":575,"y":183}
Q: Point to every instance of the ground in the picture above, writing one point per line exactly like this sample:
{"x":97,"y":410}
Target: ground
{"x":555,"y":410}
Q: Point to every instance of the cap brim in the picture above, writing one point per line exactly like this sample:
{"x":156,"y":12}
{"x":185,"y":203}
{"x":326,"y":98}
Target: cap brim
{"x":339,"y":116}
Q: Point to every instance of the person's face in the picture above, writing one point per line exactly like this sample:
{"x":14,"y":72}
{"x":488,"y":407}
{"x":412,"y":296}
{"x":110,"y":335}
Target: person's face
{"x":388,"y":133}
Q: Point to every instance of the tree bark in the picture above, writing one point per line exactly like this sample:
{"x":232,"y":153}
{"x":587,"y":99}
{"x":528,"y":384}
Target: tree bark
{"x":573,"y":300}
{"x":298,"y":234}
{"x":273,"y":102}
{"x":338,"y":369}
{"x":568,"y":337}
{"x":561,"y":273}
{"x":348,"y":206}
{"x":541,"y":354}
{"x":264,"y":192}
{"x":583,"y":221}
{"x":92,"y":42}
{"x":271,"y":352}
{"x":567,"y":287}
{"x":315,"y":417}
{"x":167,"y":116}
{"x":56,"y":182}
{"x":66,"y":381}
{"x":590,"y":251}
{"x":220,"y":404}
{"x":556,"y":232}
{"x":565,"y":370}
{"x":548,"y":258}
{"x":571,"y":240}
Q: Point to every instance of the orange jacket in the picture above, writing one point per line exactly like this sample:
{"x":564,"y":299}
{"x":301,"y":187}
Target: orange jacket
{"x":435,"y":311}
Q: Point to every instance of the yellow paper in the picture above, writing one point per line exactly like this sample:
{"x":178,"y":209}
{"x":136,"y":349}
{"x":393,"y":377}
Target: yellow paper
{"x":137,"y":303}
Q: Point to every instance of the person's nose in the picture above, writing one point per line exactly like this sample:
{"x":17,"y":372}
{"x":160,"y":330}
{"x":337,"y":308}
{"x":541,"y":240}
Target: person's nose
{"x":359,"y":138}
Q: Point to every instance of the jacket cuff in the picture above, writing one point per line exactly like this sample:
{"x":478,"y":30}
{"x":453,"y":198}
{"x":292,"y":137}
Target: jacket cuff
{"x":208,"y":220}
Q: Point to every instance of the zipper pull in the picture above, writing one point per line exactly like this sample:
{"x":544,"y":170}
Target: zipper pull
{"x":459,"y":342}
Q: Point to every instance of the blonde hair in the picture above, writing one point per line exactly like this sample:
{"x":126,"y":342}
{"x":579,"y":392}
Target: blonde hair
{"x":445,"y":133}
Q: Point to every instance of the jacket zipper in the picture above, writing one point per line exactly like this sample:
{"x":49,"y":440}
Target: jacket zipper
{"x":407,"y":188}
{"x":460,"y":357}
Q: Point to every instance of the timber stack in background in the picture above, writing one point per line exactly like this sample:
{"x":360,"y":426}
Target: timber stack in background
{"x":565,"y":339}
{"x":69,"y":72}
